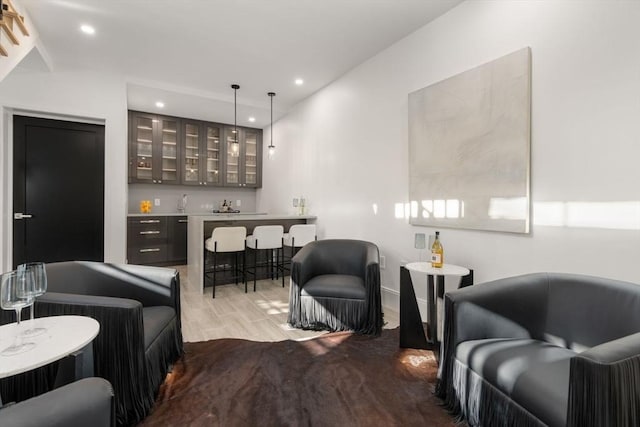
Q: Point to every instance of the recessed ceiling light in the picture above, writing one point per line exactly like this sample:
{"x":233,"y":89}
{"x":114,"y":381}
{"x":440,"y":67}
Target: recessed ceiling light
{"x":252,"y":119}
{"x":87,"y":29}
{"x":299,"y":82}
{"x":160,"y":104}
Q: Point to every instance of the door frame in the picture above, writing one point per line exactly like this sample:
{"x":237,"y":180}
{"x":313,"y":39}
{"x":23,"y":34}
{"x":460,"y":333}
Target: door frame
{"x":6,"y":161}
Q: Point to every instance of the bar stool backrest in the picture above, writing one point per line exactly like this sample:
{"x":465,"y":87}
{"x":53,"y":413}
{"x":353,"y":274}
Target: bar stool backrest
{"x":268,"y":236}
{"x":228,"y":239}
{"x":301,"y":234}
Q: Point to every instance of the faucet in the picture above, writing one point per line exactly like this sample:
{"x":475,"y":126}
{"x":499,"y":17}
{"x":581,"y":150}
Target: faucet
{"x":182,"y":204}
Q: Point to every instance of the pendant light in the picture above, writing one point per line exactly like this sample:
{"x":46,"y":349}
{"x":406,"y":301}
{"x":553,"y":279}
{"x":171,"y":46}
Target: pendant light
{"x":235,"y":145}
{"x":272,"y":148}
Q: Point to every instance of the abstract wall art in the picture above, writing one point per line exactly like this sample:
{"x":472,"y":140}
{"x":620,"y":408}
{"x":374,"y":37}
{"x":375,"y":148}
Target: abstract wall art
{"x":469,"y":148}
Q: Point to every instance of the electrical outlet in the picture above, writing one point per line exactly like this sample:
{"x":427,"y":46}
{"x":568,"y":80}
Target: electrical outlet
{"x":238,"y":203}
{"x":295,"y":202}
{"x":156,"y":202}
{"x":383,"y":262}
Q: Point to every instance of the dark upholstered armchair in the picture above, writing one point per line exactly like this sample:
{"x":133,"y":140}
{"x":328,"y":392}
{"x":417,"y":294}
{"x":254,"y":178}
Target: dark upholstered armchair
{"x":84,"y":403}
{"x":543,"y":349}
{"x":335,"y":285}
{"x":140,"y":337}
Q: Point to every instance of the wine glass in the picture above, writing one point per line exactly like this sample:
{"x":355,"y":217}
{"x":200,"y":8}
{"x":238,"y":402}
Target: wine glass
{"x":14,"y":296}
{"x":36,"y":285}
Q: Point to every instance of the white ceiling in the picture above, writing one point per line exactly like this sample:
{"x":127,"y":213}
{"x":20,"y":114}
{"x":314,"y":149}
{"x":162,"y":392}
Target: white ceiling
{"x":195,"y":49}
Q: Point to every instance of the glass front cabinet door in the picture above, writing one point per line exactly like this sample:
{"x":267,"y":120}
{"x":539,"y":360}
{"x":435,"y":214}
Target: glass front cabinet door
{"x":153,"y":149}
{"x":142,"y":128}
{"x":243,"y":158}
{"x":211,"y":155}
{"x":191,"y":153}
{"x":169,"y":150}
{"x":252,"y":158}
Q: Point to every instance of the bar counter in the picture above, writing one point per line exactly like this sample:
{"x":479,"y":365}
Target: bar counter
{"x":201,"y":226}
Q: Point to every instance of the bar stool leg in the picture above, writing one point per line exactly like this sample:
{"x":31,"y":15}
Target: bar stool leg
{"x":214,"y":268}
{"x":244,"y":269}
{"x":255,"y":266}
{"x":282,"y":264}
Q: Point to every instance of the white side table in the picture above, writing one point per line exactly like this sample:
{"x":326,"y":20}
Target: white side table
{"x":434,"y":292}
{"x":65,"y":335}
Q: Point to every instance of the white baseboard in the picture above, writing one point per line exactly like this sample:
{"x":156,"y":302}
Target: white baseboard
{"x":391,"y":300}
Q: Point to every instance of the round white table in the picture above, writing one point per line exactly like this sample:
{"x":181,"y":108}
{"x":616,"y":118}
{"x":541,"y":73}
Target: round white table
{"x":435,"y":292}
{"x":64,"y":336}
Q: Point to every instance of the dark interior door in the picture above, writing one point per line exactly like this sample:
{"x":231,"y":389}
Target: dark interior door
{"x":58,"y":191}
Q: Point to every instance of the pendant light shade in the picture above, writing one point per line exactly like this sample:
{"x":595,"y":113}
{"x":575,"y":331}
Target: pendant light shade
{"x":235,"y":145}
{"x":271,"y":147}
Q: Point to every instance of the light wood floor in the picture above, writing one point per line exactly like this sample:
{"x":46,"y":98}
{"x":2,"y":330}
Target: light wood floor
{"x":256,"y":316}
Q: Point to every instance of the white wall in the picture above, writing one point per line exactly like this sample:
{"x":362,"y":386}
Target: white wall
{"x":76,"y":95}
{"x":346,"y":147}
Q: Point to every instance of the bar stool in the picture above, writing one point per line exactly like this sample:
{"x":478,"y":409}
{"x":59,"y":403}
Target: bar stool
{"x":226,"y":240}
{"x":266,"y":237}
{"x":297,"y":237}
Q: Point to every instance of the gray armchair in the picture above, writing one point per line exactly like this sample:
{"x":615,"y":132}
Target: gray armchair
{"x":140,"y":337}
{"x":335,"y":285}
{"x":84,"y":403}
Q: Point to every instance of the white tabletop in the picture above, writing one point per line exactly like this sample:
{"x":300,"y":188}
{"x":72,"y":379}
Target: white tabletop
{"x":445,"y":270}
{"x":65,"y":334}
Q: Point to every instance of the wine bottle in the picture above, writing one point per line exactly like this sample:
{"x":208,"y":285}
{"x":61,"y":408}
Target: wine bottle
{"x":437,"y":252}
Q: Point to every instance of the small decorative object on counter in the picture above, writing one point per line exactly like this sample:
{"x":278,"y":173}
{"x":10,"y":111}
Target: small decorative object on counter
{"x":437,"y":252}
{"x":145,"y":206}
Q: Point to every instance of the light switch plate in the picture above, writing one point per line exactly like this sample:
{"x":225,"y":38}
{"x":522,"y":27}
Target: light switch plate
{"x":383,"y":262}
{"x":156,"y":202}
{"x":238,"y":203}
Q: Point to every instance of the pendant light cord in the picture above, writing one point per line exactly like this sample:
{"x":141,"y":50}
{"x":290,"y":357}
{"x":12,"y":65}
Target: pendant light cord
{"x":271,"y":95}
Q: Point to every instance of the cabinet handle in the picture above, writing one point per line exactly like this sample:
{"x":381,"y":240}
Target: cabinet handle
{"x":150,"y":232}
{"x":183,"y":220}
{"x":150,"y":221}
{"x":142,"y":251}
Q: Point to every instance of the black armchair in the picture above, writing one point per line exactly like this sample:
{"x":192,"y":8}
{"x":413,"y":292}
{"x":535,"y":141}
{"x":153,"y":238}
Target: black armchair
{"x":84,"y":403}
{"x":543,"y":349}
{"x":140,"y":337}
{"x":335,"y":285}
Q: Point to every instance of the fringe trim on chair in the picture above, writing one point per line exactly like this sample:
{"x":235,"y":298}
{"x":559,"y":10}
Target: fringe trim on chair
{"x":481,"y":404}
{"x":118,"y":353}
{"x":162,"y":354}
{"x":604,"y":394}
{"x":334,"y":314}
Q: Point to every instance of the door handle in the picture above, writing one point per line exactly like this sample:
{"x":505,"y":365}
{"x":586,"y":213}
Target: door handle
{"x":150,"y":232}
{"x":20,"y":215}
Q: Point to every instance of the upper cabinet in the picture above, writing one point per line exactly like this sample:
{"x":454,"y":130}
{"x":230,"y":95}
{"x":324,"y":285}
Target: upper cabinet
{"x":243,"y":166}
{"x":201,"y":153}
{"x":153,"y":149}
{"x":170,"y":150}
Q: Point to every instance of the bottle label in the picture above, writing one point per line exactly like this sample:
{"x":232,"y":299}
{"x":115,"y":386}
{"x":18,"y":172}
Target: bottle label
{"x":436,"y":258}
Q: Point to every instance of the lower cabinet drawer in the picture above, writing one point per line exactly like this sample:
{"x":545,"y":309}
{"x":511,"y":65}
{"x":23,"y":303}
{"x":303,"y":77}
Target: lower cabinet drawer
{"x":147,"y":254}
